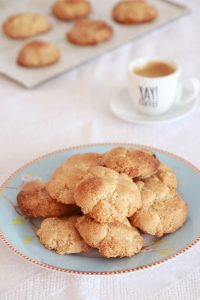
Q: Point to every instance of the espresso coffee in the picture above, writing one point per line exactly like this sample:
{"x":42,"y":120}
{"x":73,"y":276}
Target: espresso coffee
{"x":154,"y":69}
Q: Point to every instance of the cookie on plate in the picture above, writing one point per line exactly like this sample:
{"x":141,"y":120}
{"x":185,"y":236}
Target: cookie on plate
{"x":69,"y":174}
{"x":25,"y":25}
{"x":167,"y":176}
{"x":134,"y":12}
{"x":61,"y":235}
{"x":163,"y":211}
{"x":68,"y":10}
{"x":89,"y":32}
{"x":108,"y":196}
{"x":34,"y":201}
{"x":38,"y":54}
{"x":112,"y":240}
{"x":135,"y":163}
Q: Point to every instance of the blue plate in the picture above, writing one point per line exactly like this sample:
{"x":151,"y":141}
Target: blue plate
{"x":19,"y":235}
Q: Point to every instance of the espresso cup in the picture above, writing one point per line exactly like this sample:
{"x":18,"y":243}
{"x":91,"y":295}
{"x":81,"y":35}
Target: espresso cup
{"x":153,"y":94}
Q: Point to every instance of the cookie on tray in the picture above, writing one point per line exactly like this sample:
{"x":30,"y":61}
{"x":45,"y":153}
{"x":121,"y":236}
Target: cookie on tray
{"x":25,"y":25}
{"x":34,"y":201}
{"x":68,"y":10}
{"x":163,"y":210}
{"x":134,"y":12}
{"x":69,"y":174}
{"x":135,"y":163}
{"x":89,"y":32}
{"x":61,"y":235}
{"x":38,"y":54}
{"x":112,"y":240}
{"x":108,"y":196}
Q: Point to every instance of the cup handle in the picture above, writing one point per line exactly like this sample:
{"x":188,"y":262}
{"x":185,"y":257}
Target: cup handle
{"x":194,"y":82}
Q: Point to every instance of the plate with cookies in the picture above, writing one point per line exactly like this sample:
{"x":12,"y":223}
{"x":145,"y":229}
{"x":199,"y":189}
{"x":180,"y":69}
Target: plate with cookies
{"x":42,"y":39}
{"x":101,"y":209}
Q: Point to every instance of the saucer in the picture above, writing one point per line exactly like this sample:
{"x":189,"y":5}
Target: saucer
{"x":123,"y":107}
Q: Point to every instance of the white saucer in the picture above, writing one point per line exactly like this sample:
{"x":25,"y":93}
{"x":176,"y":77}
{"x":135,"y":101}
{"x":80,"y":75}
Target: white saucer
{"x":123,"y":107}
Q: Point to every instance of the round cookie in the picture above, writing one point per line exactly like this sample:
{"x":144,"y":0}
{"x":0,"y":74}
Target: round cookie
{"x":112,"y":240}
{"x":38,"y":54}
{"x":69,"y":174}
{"x":135,"y":163}
{"x":89,"y":32}
{"x":163,"y":211}
{"x":108,"y":196}
{"x":34,"y":201}
{"x":167,"y":176}
{"x":68,"y":10}
{"x":62,"y":236}
{"x":134,"y":12}
{"x":159,"y":188}
{"x":25,"y":25}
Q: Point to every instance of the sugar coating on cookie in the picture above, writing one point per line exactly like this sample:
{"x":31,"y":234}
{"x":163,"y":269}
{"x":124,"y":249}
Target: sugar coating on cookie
{"x":38,"y":54}
{"x":25,"y":25}
{"x":135,"y":163}
{"x":163,"y":211}
{"x":112,"y":240}
{"x":34,"y":201}
{"x":89,"y":32}
{"x":69,"y":174}
{"x":62,"y":236}
{"x":68,"y":10}
{"x":134,"y":12}
{"x":107,"y":196}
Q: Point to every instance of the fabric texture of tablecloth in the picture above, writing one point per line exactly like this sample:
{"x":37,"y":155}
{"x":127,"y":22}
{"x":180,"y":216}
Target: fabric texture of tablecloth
{"x":73,"y":109}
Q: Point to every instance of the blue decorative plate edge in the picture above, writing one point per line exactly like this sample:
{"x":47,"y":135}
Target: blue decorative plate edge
{"x":75,"y":272}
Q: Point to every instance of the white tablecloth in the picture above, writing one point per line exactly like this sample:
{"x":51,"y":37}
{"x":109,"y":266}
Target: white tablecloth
{"x":73,"y":109}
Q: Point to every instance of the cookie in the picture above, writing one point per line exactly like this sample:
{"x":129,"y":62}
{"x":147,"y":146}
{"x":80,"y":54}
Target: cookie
{"x":135,"y":163}
{"x":25,"y":25}
{"x":167,"y":176}
{"x":159,"y":188}
{"x":111,"y":240}
{"x":89,"y":32}
{"x":69,"y":174}
{"x":134,"y":12}
{"x":163,"y":211}
{"x":34,"y":201}
{"x":108,"y":196}
{"x":68,"y":10}
{"x":38,"y":54}
{"x":62,"y":236}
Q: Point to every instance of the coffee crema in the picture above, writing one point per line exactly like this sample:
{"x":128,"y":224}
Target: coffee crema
{"x":154,"y":69}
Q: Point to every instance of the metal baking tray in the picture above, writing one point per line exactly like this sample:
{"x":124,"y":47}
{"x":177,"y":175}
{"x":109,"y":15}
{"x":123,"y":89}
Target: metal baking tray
{"x":73,"y":56}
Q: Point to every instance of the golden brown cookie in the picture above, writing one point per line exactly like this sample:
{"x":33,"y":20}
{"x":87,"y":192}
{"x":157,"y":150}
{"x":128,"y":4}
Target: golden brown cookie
{"x":163,"y":211}
{"x":167,"y":176}
{"x":68,"y":10}
{"x":25,"y":25}
{"x":160,"y":189}
{"x":89,"y":32}
{"x":61,"y":235}
{"x":112,"y":240}
{"x":34,"y":201}
{"x":134,"y":12}
{"x":69,"y":174}
{"x":135,"y":163}
{"x":108,"y":196}
{"x":38,"y":54}
{"x":161,"y":218}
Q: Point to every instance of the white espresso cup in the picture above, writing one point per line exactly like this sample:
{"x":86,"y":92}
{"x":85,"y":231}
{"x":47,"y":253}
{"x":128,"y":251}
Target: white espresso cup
{"x":153,"y":95}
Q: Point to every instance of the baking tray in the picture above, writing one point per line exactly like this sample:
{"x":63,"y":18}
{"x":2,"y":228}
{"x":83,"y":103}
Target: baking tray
{"x":72,"y":56}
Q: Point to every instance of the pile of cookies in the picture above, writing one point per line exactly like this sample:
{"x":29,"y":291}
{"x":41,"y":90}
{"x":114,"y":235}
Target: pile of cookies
{"x":110,"y":199}
{"x":84,"y":32}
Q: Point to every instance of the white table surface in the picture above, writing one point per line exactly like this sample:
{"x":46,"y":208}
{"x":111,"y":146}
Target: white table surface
{"x":73,"y":109}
